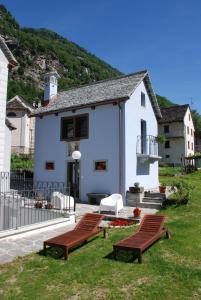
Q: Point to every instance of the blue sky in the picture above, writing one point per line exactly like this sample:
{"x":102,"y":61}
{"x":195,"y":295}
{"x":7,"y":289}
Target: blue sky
{"x":161,"y":36}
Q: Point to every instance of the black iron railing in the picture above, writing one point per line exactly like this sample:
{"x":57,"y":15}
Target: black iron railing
{"x":27,"y":207}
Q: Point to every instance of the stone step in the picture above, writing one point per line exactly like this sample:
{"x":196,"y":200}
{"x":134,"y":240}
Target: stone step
{"x":155,"y":195}
{"x":150,"y":205}
{"x":152,"y":200}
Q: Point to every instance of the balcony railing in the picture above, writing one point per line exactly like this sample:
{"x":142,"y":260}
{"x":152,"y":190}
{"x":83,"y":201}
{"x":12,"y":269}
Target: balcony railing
{"x":147,"y":145}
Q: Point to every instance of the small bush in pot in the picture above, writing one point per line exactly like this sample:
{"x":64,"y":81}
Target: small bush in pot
{"x":162,"y":188}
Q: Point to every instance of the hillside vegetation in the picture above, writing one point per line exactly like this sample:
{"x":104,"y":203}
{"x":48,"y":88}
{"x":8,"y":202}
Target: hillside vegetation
{"x":39,"y":51}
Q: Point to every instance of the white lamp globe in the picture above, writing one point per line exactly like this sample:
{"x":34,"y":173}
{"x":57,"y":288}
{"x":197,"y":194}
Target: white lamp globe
{"x":76,"y":155}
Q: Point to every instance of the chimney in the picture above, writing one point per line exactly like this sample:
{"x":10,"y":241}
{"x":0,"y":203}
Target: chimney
{"x":50,"y":88}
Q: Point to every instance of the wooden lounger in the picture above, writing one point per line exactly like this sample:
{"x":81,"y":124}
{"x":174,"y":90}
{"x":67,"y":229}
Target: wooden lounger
{"x":149,"y":232}
{"x":87,"y":227}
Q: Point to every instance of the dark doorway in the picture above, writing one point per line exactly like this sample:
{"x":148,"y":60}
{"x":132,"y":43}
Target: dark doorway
{"x":71,"y":178}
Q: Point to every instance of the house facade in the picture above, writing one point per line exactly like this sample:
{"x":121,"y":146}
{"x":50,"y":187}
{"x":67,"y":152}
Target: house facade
{"x":178,"y":128}
{"x":7,"y":61}
{"x":113,"y":123}
{"x":18,"y":112}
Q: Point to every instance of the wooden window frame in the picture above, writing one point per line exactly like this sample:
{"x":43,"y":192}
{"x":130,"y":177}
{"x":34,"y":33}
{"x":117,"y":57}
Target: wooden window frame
{"x":167,"y":143}
{"x":74,"y":124}
{"x":166,"y":127}
{"x":100,"y":160}
{"x":49,"y":162}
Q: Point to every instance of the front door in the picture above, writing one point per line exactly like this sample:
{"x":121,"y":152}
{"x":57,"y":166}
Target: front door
{"x":71,"y":181}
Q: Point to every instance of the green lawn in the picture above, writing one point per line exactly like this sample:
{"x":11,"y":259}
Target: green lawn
{"x":169,"y":171}
{"x":171,"y":269}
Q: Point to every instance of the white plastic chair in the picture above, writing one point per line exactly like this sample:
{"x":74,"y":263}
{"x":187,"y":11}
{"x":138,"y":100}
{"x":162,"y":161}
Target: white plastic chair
{"x":112,"y":203}
{"x":61,"y":201}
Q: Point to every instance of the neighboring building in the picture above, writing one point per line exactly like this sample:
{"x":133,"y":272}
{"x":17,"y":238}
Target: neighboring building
{"x":197,"y":141}
{"x":112,"y":122}
{"x":7,"y":61}
{"x":177,"y":126}
{"x":18,"y":112}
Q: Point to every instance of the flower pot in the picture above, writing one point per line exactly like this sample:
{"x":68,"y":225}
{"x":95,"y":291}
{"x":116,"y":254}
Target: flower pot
{"x":136,"y":212}
{"x":162,"y":189}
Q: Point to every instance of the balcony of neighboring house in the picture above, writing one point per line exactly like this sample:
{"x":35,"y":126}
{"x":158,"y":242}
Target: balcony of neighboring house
{"x":147,"y":148}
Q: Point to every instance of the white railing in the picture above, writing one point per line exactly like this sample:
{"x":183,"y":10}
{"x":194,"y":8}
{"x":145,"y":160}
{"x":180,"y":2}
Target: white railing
{"x":147,"y":145}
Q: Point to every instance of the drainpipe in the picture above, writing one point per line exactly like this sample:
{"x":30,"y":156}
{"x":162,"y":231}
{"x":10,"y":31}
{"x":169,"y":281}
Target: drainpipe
{"x":120,"y":148}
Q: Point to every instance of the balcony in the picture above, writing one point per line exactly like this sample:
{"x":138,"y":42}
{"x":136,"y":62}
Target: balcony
{"x":147,"y":149}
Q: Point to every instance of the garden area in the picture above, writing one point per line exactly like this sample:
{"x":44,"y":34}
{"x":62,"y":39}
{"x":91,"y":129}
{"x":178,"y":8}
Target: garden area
{"x":171,"y":269}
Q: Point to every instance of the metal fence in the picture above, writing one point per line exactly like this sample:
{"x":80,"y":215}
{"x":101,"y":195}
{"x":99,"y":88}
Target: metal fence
{"x":27,"y":207}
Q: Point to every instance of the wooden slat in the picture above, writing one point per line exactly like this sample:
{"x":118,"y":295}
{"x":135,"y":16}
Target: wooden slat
{"x":150,"y":231}
{"x":86,"y":228}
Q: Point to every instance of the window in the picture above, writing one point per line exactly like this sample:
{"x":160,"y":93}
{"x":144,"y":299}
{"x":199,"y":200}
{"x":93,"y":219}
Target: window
{"x":166,"y":129}
{"x":74,"y":128}
{"x":167,"y":144}
{"x":167,"y":156}
{"x":189,"y":116}
{"x":188,"y":145}
{"x":49,"y":166}
{"x":191,"y":132}
{"x":11,"y":114}
{"x":142,"y":99}
{"x":187,"y":130}
{"x":100,"y":165}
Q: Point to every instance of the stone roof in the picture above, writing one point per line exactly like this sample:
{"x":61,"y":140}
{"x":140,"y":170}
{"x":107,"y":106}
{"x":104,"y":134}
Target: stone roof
{"x":8,"y":54}
{"x":18,"y":103}
{"x":174,"y":113}
{"x":101,"y":92}
{"x":9,"y":124}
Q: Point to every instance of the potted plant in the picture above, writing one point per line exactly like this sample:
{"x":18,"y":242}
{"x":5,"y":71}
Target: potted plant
{"x":162,"y":188}
{"x":38,"y":204}
{"x":137,"y":212}
{"x":48,"y":206}
{"x":136,"y":188}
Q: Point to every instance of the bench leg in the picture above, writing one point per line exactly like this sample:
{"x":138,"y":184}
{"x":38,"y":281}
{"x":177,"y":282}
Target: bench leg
{"x":44,"y":249}
{"x":140,"y":257}
{"x":167,"y":234}
{"x":115,"y":252}
{"x":66,"y":253}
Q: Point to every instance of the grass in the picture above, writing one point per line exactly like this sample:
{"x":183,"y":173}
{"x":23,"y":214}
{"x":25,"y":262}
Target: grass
{"x":169,"y":171}
{"x":171,"y":269}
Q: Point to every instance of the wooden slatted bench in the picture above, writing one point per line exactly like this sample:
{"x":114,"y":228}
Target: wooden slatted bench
{"x":87,"y":227}
{"x":150,"y":230}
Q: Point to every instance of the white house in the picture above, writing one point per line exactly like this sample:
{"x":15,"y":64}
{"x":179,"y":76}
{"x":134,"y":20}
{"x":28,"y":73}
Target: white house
{"x":178,"y":128}
{"x":112,"y":122}
{"x":18,"y":112}
{"x":7,"y":61}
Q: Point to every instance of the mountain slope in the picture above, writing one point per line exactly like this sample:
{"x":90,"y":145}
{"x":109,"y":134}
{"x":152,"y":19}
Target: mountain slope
{"x":39,"y":51}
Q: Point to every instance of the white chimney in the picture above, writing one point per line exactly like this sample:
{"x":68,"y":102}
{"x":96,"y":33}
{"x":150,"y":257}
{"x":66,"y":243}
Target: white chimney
{"x":51,"y":84}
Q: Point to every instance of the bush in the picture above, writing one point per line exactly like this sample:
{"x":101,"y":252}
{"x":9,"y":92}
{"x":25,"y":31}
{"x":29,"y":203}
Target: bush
{"x":181,"y":193}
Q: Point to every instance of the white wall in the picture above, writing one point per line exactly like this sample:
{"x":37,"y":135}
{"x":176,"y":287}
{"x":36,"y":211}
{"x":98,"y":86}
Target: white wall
{"x":102,"y":144}
{"x":3,"y":95}
{"x":188,"y":137}
{"x":25,"y":127}
{"x":7,"y":151}
{"x":144,"y":173}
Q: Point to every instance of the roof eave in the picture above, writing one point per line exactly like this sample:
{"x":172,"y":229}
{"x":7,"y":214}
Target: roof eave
{"x":76,"y":107}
